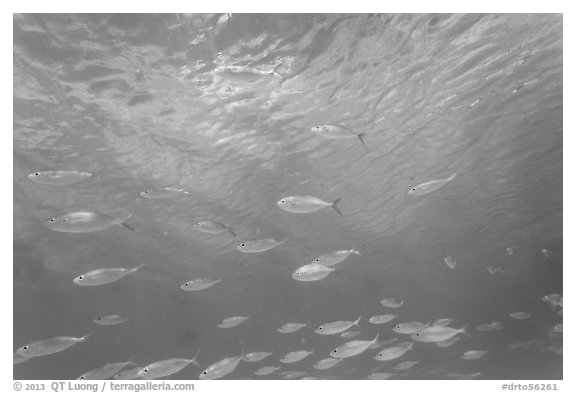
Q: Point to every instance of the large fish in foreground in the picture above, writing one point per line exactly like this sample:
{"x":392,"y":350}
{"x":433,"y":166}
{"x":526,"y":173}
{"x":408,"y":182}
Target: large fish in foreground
{"x":306,"y":204}
{"x":86,"y":222}
{"x":353,"y":348}
{"x":49,"y":346}
{"x":435,"y":334}
{"x":166,"y":367}
{"x":222,"y":368}
{"x":430,"y":186}
{"x":106,"y":371}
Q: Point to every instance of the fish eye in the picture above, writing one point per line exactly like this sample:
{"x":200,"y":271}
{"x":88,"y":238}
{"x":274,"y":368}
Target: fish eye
{"x":242,"y":245}
{"x":25,"y":347}
{"x":81,"y":278}
{"x":205,"y":372}
{"x":36,"y":174}
{"x":145,"y":370}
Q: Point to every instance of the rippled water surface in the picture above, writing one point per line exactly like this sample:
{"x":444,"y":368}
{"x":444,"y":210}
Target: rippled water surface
{"x":220,"y":108}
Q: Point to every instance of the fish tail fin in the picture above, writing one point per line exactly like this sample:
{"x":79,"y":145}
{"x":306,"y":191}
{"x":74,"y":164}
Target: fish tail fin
{"x":354,"y":251}
{"x":453,"y":176}
{"x":138,"y":267}
{"x":122,"y":220}
{"x":358,"y":320}
{"x":85,"y":337}
{"x":335,"y":205}
{"x":194,"y":360}
{"x":231,"y":231}
{"x":361,"y":137}
{"x":463,"y":330}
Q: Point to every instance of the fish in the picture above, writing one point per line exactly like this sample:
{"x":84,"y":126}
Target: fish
{"x":410,"y":327}
{"x":291,"y":327}
{"x":306,"y":204}
{"x":450,"y":262}
{"x":353,"y":348}
{"x":213,"y":227}
{"x":256,"y":356}
{"x":311,"y":272}
{"x":295,"y":356}
{"x":59,"y":178}
{"x":473,"y":355}
{"x":437,"y":333}
{"x":326,"y":363}
{"x":222,"y":367}
{"x":391,"y":303}
{"x":232,"y":322}
{"x":332,"y":131}
{"x":49,"y":346}
{"x":509,"y":251}
{"x":292,"y":374}
{"x":350,"y":334}
{"x":380,"y":375}
{"x":380,"y":319}
{"x":258,"y":245}
{"x":198,"y":284}
{"x":335,"y":257}
{"x":128,"y":374}
{"x":430,"y":186}
{"x":267,"y":370}
{"x":490,"y":326}
{"x":166,"y":367}
{"x":336,"y":327}
{"x":557,"y":330}
{"x":546,"y":252}
{"x":110,"y":320}
{"x":442,"y":322}
{"x":165,"y":193}
{"x":103,"y":276}
{"x":405,"y":365}
{"x":447,"y":343}
{"x":86,"y":222}
{"x":494,"y":270}
{"x":520,"y":315}
{"x":394,"y":352}
{"x":555,"y":299}
{"x":106,"y":371}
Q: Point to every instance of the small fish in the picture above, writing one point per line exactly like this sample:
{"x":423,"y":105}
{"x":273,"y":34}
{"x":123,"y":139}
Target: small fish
{"x":49,"y":346}
{"x":103,"y":276}
{"x":494,"y":270}
{"x":437,"y":333}
{"x":86,"y":222}
{"x":450,"y":262}
{"x":258,"y":245}
{"x":353,"y":348}
{"x":546,"y":252}
{"x":110,"y":320}
{"x":232,"y":322}
{"x":380,"y":319}
{"x":330,"y":131}
{"x":350,"y":334}
{"x":295,"y":356}
{"x":557,"y":330}
{"x":405,"y":365}
{"x":555,"y":299}
{"x":473,"y":355}
{"x":509,"y":251}
{"x":266,"y":370}
{"x":394,"y":352}
{"x":336,"y":327}
{"x":165,"y":193}
{"x":306,"y":204}
{"x":520,"y":315}
{"x":59,"y":178}
{"x":291,"y":327}
{"x":128,"y":374}
{"x":198,"y":284}
{"x":447,"y":343}
{"x":380,"y":375}
{"x":106,"y":371}
{"x":391,"y":303}
{"x":222,"y":368}
{"x":335,"y":257}
{"x":213,"y":227}
{"x":490,"y":326}
{"x":326,"y":363}
{"x":442,"y":322}
{"x":430,"y":186}
{"x":410,"y":327}
{"x":311,"y":272}
{"x":166,"y":367}
{"x":292,"y":374}
{"x":256,"y":356}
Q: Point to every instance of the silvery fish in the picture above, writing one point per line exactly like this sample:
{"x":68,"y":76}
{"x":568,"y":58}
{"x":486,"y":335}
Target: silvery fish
{"x":473,"y":355}
{"x":557,"y":330}
{"x":198,"y":284}
{"x":442,"y":322}
{"x":394,"y":352}
{"x":555,"y":299}
{"x":410,"y":327}
{"x":494,"y":270}
{"x":447,"y":343}
{"x":291,"y":327}
{"x":509,"y":251}
{"x":327,"y":363}
{"x":165,"y":193}
{"x":212,"y":227}
{"x":306,"y":204}
{"x":106,"y":371}
{"x":59,"y":178}
{"x":391,"y":303}
{"x":295,"y":356}
{"x":437,"y":333}
{"x":258,"y":245}
{"x":49,"y":346}
{"x":256,"y":356}
{"x":266,"y":370}
{"x":353,"y":348}
{"x":380,"y":375}
{"x":546,"y":252}
{"x":110,"y":320}
{"x":336,"y":327}
{"x":232,"y":322}
{"x":222,"y":368}
{"x":128,"y":374}
{"x":335,"y":257}
{"x":103,"y":276}
{"x":450,"y":262}
{"x":330,"y":131}
{"x":430,"y":186}
{"x":520,"y":315}
{"x":311,"y":272}
{"x":86,"y":222}
{"x":489,"y":326}
{"x":166,"y":367}
{"x":405,"y":365}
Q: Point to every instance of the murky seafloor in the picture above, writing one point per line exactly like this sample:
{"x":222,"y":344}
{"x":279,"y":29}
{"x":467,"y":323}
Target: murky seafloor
{"x":180,"y":119}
